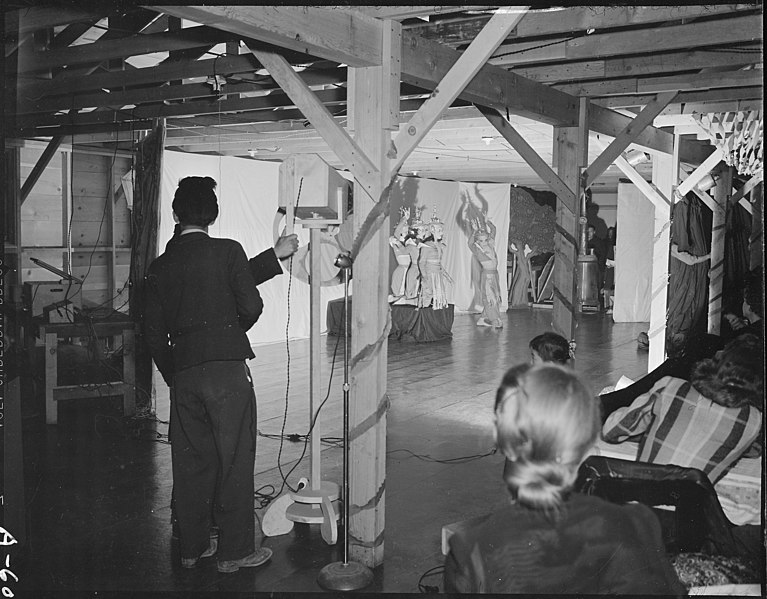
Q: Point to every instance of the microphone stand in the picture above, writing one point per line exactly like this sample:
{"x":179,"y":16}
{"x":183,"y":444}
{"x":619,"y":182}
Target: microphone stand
{"x":345,"y":575}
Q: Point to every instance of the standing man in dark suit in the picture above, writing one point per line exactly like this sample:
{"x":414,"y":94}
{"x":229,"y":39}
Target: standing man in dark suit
{"x":201,"y":300}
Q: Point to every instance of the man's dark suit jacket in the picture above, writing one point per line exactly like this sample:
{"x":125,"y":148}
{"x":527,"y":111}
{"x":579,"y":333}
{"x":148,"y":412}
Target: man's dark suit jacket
{"x":201,"y":300}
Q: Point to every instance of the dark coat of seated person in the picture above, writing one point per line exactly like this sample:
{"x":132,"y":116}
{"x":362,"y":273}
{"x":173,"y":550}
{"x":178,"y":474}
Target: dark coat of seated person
{"x":708,"y":422}
{"x":548,"y":539}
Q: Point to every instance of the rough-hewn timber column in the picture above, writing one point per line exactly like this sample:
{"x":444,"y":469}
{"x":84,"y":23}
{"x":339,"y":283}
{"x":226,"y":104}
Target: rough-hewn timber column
{"x":716,"y":274}
{"x":665,"y":172}
{"x":568,"y":153}
{"x":371,"y":109}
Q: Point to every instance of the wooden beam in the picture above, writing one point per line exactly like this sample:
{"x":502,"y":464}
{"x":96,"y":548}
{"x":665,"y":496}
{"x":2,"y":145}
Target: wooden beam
{"x":569,"y":158}
{"x":371,"y":323}
{"x":540,"y":23}
{"x":543,"y":170}
{"x":688,"y":99}
{"x":462,"y":71}
{"x":747,"y":188}
{"x":33,"y":18}
{"x":635,"y":66}
{"x":100,"y":51}
{"x":344,"y":146}
{"x":650,"y":85}
{"x":167,"y":71}
{"x":715,"y":32}
{"x":192,"y":107}
{"x":341,"y":36}
{"x":40,"y":166}
{"x":701,"y":171}
{"x":718,"y":230}
{"x":664,"y":178}
{"x":626,"y":137}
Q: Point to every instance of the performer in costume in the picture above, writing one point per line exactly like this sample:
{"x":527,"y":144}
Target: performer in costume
{"x":434,"y":278}
{"x":482,"y":245}
{"x":402,"y":254}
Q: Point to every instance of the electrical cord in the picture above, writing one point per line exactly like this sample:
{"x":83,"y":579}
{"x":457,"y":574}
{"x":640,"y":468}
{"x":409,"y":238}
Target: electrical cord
{"x":426,"y":588}
{"x":458,"y":460}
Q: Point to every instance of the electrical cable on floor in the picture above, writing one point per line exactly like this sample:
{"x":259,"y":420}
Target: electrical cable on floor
{"x":458,"y":460}
{"x":305,"y":437}
{"x":426,"y":588}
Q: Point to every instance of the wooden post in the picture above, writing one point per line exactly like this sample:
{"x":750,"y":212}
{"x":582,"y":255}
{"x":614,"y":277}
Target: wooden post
{"x":665,"y":172}
{"x":716,"y":274}
{"x":371,"y":106}
{"x":570,"y":147}
{"x":756,"y":239}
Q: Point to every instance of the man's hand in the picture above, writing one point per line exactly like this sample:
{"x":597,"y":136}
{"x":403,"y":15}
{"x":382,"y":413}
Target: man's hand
{"x":286,"y":246}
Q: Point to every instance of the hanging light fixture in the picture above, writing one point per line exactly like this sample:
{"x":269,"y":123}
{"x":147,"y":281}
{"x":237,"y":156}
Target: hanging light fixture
{"x":636,"y":157}
{"x":706,"y":183}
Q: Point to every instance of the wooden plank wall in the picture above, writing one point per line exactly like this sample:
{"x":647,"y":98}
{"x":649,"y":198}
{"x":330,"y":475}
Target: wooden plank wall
{"x":99,"y":228}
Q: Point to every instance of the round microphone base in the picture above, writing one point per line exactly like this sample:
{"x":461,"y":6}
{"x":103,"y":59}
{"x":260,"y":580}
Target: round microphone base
{"x":339,"y":576}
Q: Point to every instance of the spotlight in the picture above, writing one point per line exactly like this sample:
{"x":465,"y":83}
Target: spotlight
{"x":706,"y":183}
{"x":635,"y":157}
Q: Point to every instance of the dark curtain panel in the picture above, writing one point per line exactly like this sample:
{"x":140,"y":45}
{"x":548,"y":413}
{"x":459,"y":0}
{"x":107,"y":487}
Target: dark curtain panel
{"x":736,"y":258}
{"x":145,"y":220}
{"x":688,"y":285}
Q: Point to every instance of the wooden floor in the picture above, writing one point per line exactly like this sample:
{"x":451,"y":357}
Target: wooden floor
{"x":98,"y":486}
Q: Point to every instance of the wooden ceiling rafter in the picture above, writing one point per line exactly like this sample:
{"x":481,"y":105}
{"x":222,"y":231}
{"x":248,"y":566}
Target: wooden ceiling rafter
{"x":118,"y":77}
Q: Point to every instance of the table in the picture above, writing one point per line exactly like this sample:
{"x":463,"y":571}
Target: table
{"x":739,"y":491}
{"x":408,"y":323}
{"x":52,"y":332}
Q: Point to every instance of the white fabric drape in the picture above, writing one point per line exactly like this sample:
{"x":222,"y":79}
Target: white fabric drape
{"x":633,"y":255}
{"x":248,"y":195}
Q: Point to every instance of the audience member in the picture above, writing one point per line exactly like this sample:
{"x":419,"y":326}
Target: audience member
{"x":550,"y":347}
{"x":707,"y":423}
{"x":699,"y":347}
{"x":549,"y":539}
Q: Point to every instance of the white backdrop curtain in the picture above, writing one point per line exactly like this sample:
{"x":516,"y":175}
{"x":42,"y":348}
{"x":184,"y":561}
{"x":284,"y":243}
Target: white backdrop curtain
{"x":247,"y":197}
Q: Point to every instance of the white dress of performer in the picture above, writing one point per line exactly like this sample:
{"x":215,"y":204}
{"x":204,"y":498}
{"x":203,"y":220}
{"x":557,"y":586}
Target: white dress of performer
{"x":402,"y":255}
{"x":434,"y":278}
{"x":482,"y":245}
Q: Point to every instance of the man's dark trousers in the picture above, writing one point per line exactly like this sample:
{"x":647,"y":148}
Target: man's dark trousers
{"x":213,"y":444}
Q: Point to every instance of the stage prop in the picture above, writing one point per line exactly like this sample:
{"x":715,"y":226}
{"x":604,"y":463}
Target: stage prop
{"x":408,"y":323}
{"x":633,"y":256}
{"x":248,"y":193}
{"x":531,"y":248}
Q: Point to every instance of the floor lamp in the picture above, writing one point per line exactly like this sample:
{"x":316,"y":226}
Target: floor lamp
{"x":345,"y":575}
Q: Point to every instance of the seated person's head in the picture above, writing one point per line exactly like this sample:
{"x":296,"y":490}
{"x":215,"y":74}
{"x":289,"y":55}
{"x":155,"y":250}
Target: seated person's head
{"x":734,"y":377}
{"x":549,"y":347}
{"x":195,"y":202}
{"x":546,"y":422}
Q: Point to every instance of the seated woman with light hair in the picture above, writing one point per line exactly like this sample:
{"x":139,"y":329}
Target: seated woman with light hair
{"x":548,"y":539}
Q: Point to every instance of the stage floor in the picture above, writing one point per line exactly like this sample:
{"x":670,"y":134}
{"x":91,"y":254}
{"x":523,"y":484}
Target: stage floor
{"x":98,"y":487}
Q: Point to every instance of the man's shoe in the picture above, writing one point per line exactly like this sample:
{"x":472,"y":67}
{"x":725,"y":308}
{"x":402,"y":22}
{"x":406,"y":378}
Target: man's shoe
{"x":191,"y":562}
{"x":258,"y":557}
